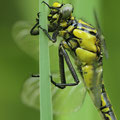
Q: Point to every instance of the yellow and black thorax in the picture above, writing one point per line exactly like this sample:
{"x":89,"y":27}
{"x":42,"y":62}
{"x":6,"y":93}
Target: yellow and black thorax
{"x":78,"y":36}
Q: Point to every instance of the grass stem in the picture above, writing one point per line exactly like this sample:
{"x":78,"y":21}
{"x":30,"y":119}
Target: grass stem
{"x":44,"y":67}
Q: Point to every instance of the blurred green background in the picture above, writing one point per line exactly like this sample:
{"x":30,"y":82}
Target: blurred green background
{"x":16,"y":66}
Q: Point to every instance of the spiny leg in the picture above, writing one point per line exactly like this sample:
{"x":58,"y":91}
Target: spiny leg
{"x":54,"y":36}
{"x":62,"y":72}
{"x":61,"y":66}
{"x":70,"y":66}
{"x":63,"y":54}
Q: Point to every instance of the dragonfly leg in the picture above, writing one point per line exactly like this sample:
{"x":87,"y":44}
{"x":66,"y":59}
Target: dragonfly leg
{"x":51,"y":81}
{"x":56,"y":84}
{"x":50,"y":6}
{"x":38,"y":14}
{"x":33,"y":31}
{"x":36,"y":32}
{"x":35,"y":75}
{"x":63,"y":52}
{"x":62,"y":73}
{"x":54,"y":36}
{"x":63,"y":55}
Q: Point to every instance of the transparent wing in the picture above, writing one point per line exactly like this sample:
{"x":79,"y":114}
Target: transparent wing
{"x":26,"y":42}
{"x":70,"y":99}
{"x":65,"y":100}
{"x":30,"y":92}
{"x":101,"y":37}
{"x":95,"y":92}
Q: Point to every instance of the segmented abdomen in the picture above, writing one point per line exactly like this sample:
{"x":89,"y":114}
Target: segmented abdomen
{"x":106,"y":107}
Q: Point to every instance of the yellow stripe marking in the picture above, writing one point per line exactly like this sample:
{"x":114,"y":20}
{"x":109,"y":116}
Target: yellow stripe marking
{"x":85,"y":56}
{"x":56,"y":4}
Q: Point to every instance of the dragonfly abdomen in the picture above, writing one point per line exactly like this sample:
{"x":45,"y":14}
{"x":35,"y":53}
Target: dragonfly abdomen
{"x":93,"y":82}
{"x":106,"y":107}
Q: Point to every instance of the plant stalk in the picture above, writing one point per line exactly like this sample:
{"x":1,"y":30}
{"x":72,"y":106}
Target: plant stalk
{"x":44,"y":67}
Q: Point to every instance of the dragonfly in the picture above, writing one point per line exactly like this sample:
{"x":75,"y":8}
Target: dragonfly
{"x":62,"y":99}
{"x":86,"y":45}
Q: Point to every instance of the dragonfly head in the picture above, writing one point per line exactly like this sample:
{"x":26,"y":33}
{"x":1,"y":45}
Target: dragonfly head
{"x":59,"y":13}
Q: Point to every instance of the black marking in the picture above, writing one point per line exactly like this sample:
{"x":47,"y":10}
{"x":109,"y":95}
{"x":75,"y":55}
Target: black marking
{"x":80,"y":25}
{"x":103,"y":89}
{"x":83,"y":25}
{"x":104,"y":107}
{"x":88,"y":31}
{"x":92,"y":33}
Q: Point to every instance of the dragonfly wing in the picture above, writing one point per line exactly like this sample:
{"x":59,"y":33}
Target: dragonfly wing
{"x":70,"y":99}
{"x":26,"y":42}
{"x":65,"y":100}
{"x":101,"y":37}
{"x":95,"y":92}
{"x":30,"y":92}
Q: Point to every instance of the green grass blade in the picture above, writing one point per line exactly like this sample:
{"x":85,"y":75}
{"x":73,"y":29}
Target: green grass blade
{"x":45,"y":89}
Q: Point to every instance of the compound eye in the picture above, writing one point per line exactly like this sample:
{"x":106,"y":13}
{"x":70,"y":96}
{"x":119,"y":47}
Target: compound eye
{"x":66,"y":10}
